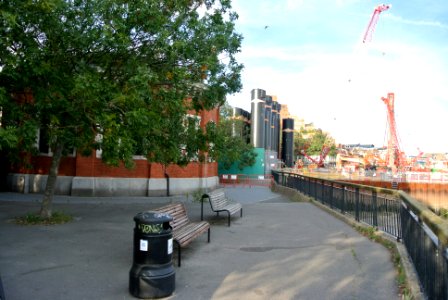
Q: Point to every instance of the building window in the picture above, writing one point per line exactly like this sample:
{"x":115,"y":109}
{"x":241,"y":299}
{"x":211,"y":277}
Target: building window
{"x":98,"y":140}
{"x":43,"y":144}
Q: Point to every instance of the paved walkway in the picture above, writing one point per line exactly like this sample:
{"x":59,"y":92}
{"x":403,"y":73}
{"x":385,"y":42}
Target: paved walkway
{"x":278,"y":250}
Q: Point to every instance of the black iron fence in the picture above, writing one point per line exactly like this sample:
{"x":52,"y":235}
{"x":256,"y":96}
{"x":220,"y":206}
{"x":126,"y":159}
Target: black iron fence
{"x":424,"y":234}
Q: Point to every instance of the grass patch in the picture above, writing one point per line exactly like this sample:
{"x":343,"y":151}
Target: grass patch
{"x":35,"y":219}
{"x":197,"y":195}
{"x":402,"y":282}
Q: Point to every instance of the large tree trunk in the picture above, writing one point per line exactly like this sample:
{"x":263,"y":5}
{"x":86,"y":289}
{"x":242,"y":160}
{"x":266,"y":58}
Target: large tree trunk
{"x":47,"y":201}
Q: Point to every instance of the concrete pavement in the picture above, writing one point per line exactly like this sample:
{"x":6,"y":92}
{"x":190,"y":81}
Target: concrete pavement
{"x":278,"y":250}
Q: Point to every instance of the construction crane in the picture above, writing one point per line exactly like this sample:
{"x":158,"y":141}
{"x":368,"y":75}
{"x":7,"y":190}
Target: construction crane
{"x":414,"y":161}
{"x":373,"y":20}
{"x":319,"y":163}
{"x":367,"y":37}
{"x":395,"y":157}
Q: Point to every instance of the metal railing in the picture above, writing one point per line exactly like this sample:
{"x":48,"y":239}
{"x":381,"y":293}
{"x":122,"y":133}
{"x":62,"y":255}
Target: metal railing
{"x":245,"y":180}
{"x":424,"y":234}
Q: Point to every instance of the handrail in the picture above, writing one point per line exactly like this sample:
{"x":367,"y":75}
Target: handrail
{"x":438,"y":225}
{"x":349,"y":184}
{"x":246,"y":179}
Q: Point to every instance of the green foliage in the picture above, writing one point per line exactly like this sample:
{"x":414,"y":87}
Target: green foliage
{"x":37,"y":219}
{"x":313,"y":144}
{"x":230,"y":141}
{"x":316,"y":143}
{"x":8,"y":137}
{"x":121,"y":70}
{"x":115,"y":75}
{"x":197,"y":195}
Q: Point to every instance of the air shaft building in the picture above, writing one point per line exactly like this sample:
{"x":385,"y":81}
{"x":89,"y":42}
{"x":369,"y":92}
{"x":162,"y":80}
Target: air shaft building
{"x":264,"y":126}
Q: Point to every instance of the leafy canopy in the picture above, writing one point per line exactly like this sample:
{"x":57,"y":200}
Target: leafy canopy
{"x":313,"y":143}
{"x":231,"y":141}
{"x":116,"y":75}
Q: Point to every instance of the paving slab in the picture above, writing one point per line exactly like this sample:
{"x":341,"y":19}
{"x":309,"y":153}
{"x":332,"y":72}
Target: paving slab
{"x":278,"y":250}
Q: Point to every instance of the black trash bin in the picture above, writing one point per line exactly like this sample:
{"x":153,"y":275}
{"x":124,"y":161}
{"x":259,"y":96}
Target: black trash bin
{"x":152,"y":274}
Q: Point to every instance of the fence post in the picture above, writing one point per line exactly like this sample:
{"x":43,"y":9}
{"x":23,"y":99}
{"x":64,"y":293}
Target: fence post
{"x":296,"y":182}
{"x":375,"y":208}
{"x":343,"y":200}
{"x":303,"y":185}
{"x":308,"y":186}
{"x":322,"y":186}
{"x":357,"y":204}
{"x":445,"y":258}
{"x":331,"y":195}
{"x":441,"y":281}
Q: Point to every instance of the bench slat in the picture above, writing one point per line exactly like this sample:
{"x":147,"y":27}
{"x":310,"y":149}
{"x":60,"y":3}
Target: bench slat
{"x":184,"y":231}
{"x":189,"y":232}
{"x":219,"y":202}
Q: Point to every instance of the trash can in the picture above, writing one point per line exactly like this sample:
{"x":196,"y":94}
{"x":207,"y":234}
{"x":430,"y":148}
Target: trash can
{"x":152,"y":274}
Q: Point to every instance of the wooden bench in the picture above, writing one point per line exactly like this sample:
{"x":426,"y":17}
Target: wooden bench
{"x":219,"y":203}
{"x":184,"y":231}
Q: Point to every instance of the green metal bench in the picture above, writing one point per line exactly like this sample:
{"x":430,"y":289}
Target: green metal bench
{"x":220,"y":203}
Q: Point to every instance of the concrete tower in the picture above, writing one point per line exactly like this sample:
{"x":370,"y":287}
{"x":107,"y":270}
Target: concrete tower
{"x":288,"y":142}
{"x":257,"y":127}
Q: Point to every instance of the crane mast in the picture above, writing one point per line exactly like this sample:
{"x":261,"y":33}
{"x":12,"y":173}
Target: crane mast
{"x":373,"y":20}
{"x":394,"y":155}
{"x":395,"y":159}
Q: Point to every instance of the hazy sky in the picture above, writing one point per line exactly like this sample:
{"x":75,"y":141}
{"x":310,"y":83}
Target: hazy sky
{"x":310,"y":57}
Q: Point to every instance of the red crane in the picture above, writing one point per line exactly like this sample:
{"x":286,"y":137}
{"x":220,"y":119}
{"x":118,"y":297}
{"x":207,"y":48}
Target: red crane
{"x":367,"y":37}
{"x":372,"y":23}
{"x":323,"y":155}
{"x":414,"y":161}
{"x":395,"y":158}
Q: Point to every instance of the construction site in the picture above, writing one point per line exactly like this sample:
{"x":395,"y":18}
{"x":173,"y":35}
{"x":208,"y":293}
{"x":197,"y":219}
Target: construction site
{"x":424,"y":176}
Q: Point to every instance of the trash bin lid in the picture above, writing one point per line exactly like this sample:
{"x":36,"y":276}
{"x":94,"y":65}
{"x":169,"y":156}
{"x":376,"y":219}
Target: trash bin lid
{"x":152,"y":217}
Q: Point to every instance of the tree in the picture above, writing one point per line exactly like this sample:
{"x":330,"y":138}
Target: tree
{"x":114,"y":75}
{"x":230,"y":141}
{"x":314,"y":143}
{"x":299,"y":143}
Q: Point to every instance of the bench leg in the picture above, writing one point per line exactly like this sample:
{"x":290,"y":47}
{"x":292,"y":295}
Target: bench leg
{"x":202,"y":208}
{"x":241,"y":212}
{"x":208,"y":235}
{"x":229,"y":218}
{"x":178,"y":253}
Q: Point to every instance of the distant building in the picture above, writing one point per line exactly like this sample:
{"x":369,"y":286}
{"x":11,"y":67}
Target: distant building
{"x":244,"y":130}
{"x":299,"y":123}
{"x":284,"y":113}
{"x":265,"y":132}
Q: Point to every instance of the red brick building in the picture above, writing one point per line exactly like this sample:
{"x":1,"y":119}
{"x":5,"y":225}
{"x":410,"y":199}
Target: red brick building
{"x":89,"y":176}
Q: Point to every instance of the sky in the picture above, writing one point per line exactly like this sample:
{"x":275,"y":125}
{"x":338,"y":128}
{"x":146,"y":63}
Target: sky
{"x":309,"y":54}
